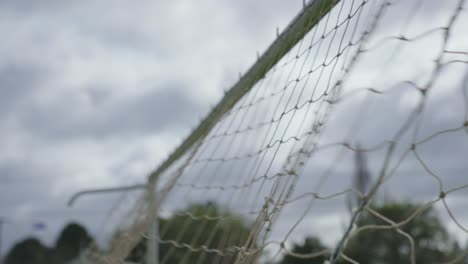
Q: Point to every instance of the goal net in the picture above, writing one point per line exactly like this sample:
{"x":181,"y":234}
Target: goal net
{"x":374,"y":88}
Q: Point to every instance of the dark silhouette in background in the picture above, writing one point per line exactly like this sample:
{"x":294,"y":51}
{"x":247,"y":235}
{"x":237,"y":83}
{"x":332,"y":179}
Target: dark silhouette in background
{"x":31,"y":251}
{"x":310,"y":245}
{"x":206,"y":224}
{"x":432,"y":242}
{"x":71,"y":241}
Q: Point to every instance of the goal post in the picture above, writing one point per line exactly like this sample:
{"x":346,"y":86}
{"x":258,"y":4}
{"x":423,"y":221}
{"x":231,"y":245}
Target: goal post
{"x":294,"y":32}
{"x":309,"y":16}
{"x":274,"y":162}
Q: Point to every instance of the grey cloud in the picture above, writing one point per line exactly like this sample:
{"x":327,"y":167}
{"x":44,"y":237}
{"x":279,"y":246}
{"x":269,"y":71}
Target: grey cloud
{"x":24,"y":6}
{"x":14,"y":172}
{"x":35,"y":202}
{"x":17,"y":83}
{"x":98,"y":95}
{"x":32,"y":176}
{"x":262,"y":13}
{"x":154,"y":111}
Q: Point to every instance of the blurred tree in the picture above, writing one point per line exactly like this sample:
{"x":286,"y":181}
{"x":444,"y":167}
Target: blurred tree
{"x":72,"y":240}
{"x":386,"y":246}
{"x":29,"y":251}
{"x":431,"y":240}
{"x":206,"y":226}
{"x":310,"y":245}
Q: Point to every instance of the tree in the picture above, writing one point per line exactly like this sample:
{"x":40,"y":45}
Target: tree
{"x":310,"y":245}
{"x":71,"y":241}
{"x":386,"y":246}
{"x":431,"y":239}
{"x":207,"y":226}
{"x":29,"y":251}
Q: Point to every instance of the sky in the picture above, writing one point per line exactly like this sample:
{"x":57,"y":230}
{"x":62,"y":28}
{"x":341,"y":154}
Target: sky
{"x":97,"y":94}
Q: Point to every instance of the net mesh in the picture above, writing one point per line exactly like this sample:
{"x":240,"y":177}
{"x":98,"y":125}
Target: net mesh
{"x":383,"y":80}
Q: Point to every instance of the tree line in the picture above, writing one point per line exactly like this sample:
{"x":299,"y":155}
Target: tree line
{"x":206,"y":225}
{"x":71,"y":241}
{"x":430,"y":241}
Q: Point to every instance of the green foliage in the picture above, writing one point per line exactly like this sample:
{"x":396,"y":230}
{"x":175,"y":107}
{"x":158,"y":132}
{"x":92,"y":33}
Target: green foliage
{"x":310,"y":245}
{"x":386,"y":246}
{"x":431,"y":240}
{"x":29,"y":251}
{"x":70,"y":242}
{"x":209,"y":227}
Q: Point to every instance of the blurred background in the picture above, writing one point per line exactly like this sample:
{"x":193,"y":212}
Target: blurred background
{"x":97,"y":94}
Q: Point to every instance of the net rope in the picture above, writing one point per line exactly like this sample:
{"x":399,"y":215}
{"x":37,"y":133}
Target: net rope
{"x":269,"y":163}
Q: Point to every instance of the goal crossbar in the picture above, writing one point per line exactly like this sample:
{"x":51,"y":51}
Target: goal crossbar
{"x":310,"y":15}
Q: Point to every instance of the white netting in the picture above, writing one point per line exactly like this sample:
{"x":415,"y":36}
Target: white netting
{"x":386,"y":79}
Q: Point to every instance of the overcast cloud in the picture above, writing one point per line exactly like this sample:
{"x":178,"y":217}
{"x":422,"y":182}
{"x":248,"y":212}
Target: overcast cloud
{"x":97,"y":93}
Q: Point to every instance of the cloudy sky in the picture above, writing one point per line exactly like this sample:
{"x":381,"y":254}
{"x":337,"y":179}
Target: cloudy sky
{"x":96,"y":94}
